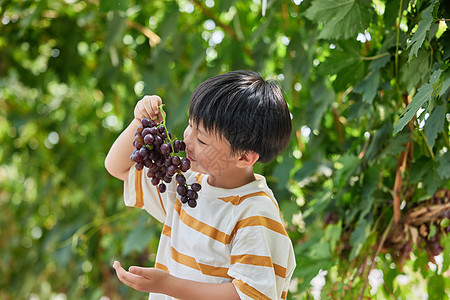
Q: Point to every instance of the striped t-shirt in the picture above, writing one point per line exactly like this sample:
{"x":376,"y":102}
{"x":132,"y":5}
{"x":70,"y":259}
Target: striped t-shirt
{"x":233,"y":235}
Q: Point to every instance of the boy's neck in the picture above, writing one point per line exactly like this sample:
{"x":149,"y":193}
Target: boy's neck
{"x":232,"y":179}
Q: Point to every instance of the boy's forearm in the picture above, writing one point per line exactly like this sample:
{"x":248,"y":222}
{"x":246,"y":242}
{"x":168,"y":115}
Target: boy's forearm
{"x":187,"y":289}
{"x":118,"y":161}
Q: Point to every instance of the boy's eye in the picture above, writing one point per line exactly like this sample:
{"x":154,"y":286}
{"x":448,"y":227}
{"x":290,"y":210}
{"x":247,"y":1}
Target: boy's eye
{"x":201,"y":142}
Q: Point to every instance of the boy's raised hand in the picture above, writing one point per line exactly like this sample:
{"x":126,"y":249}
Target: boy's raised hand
{"x":142,"y":279}
{"x":148,"y":107}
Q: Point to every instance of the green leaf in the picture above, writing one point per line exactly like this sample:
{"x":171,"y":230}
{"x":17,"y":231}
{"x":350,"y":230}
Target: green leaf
{"x":368,"y":87}
{"x":332,"y":234}
{"x":445,"y":222}
{"x":419,"y":36}
{"x":371,"y":178}
{"x":309,"y":168}
{"x":379,"y":140}
{"x":349,"y":164}
{"x":433,"y":231}
{"x":358,"y":237}
{"x":138,"y":238}
{"x":416,"y":72}
{"x":444,"y":166}
{"x":445,"y":85}
{"x":423,"y":95}
{"x":321,"y":99}
{"x":431,"y":182}
{"x":436,"y":288}
{"x":342,"y":18}
{"x":435,"y":124}
{"x":446,"y":253}
{"x":397,"y":144}
{"x":379,"y":62}
{"x":108,"y":5}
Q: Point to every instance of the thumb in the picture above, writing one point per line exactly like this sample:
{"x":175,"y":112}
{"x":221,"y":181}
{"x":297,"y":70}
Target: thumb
{"x":139,"y":271}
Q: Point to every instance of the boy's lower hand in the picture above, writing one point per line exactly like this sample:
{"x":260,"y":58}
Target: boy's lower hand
{"x":148,"y":107}
{"x":142,"y":279}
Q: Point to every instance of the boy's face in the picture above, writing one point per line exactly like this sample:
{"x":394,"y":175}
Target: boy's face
{"x":208,"y":153}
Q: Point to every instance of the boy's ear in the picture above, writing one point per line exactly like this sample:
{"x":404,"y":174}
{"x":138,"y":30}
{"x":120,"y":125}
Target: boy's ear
{"x":247,"y":159}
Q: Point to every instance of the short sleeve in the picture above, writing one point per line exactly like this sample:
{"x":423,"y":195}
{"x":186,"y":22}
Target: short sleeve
{"x":262,"y":257}
{"x":139,"y":192}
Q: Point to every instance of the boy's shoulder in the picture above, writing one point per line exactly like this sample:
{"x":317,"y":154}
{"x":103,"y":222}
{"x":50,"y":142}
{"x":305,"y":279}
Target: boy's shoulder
{"x":253,"y":198}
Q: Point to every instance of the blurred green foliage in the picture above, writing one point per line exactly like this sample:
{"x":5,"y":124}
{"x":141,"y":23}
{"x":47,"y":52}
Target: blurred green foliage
{"x":368,"y":87}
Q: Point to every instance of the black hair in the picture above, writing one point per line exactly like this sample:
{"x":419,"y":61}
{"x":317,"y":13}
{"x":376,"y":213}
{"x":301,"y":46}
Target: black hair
{"x":248,"y":111}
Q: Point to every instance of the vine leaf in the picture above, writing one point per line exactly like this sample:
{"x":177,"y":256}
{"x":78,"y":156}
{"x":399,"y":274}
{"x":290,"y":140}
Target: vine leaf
{"x":422,"y":29}
{"x":369,"y":87}
{"x":342,"y":18}
{"x":444,"y":166}
{"x":435,"y":124}
{"x":423,"y":95}
{"x":359,"y":237}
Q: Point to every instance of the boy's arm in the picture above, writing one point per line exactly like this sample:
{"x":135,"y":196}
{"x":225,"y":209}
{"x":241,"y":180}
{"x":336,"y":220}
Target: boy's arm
{"x":159,"y":281}
{"x":118,"y":161}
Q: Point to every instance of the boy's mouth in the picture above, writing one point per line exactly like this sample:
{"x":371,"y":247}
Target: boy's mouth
{"x":189,"y":157}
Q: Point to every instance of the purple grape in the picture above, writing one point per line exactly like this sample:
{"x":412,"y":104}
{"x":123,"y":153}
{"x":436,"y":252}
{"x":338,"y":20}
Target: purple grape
{"x":145,"y":132}
{"x":148,"y":139}
{"x":185,"y":166}
{"x":167,"y":179}
{"x":154,"y":131}
{"x":180,"y":179}
{"x":158,"y":140}
{"x":162,"y":187}
{"x":184,"y":199}
{"x":192,"y":203}
{"x":144,"y":152}
{"x":165,"y":149}
{"x":171,"y":170}
{"x":196,"y":187}
{"x":181,"y":190}
{"x":146,"y":122}
{"x":155,"y":181}
{"x":139,"y":166}
{"x":176,"y":161}
{"x":192,"y":195}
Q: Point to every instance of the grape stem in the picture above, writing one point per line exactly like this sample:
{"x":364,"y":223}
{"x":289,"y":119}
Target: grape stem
{"x":165,"y":128}
{"x":168,"y":136}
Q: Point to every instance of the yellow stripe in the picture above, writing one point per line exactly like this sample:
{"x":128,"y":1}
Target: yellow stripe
{"x":161,"y":267}
{"x":222,"y":236}
{"x":192,"y":263}
{"x":236,"y":200}
{"x":259,"y":221}
{"x":258,"y":260}
{"x":138,"y":188}
{"x":160,"y":200}
{"x":200,"y":226}
{"x":249,"y":291}
{"x":167,"y":230}
{"x":283,"y":295}
{"x":199,"y":178}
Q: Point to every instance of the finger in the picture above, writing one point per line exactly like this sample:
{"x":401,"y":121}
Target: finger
{"x":124,"y":276}
{"x":139,"y":271}
{"x":145,"y":107}
{"x":157,"y":101}
{"x":138,"y":113}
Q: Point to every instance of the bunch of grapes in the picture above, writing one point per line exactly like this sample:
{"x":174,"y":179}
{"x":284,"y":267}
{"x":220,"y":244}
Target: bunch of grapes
{"x":157,"y":150}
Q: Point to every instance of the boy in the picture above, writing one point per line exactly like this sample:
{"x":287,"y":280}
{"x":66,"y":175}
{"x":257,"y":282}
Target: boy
{"x":233,"y":244}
